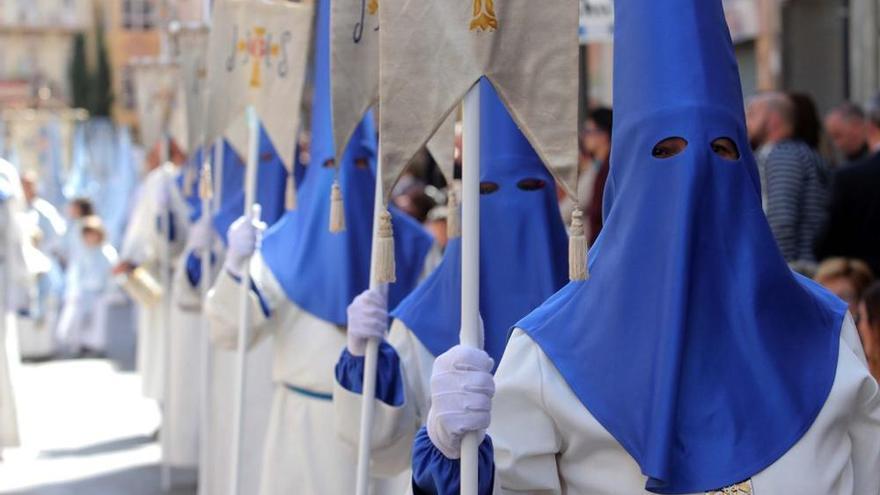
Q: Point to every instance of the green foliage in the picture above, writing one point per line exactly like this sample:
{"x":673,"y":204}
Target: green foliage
{"x":91,"y":90}
{"x":102,"y":80}
{"x":79,"y":74}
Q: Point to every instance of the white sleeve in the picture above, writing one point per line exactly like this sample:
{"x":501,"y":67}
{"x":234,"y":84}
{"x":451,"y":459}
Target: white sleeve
{"x":223,"y":306}
{"x":394,"y":428}
{"x":526,"y":439}
{"x":864,"y":428}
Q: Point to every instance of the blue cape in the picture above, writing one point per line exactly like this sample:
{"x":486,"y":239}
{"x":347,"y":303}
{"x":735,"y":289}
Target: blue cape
{"x":523,"y":244}
{"x":320,"y":271}
{"x":692,"y":343}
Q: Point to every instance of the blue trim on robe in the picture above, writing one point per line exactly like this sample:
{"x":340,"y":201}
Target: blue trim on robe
{"x":172,"y":231}
{"x":194,"y":268}
{"x":309,"y":393}
{"x":389,"y":379}
{"x":264,"y":305}
{"x":435,"y":474}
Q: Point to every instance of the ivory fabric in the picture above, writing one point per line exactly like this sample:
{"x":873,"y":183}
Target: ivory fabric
{"x":191,"y":45}
{"x":13,"y":276}
{"x":527,"y":49}
{"x":143,"y":246}
{"x":257,"y":55}
{"x":302,"y":453}
{"x":157,"y":94}
{"x":546,"y":441}
{"x":354,"y":65}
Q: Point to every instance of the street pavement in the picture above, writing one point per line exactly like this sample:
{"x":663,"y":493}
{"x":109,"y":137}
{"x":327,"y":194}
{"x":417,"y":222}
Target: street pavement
{"x":86,"y":430}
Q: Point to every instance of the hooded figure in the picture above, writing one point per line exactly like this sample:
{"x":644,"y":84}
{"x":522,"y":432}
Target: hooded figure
{"x":304,"y":277}
{"x":523,"y":260}
{"x":693,"y":360}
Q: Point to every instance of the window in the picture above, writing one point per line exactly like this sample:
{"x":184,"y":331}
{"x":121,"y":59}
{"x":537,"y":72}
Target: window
{"x":138,"y":15}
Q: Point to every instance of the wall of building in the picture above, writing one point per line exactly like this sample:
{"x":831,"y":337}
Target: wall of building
{"x":36,"y":41}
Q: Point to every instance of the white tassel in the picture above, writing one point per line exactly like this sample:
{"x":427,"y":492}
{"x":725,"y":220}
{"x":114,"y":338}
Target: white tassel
{"x":453,"y":215}
{"x":206,"y":186}
{"x":337,"y":212}
{"x":290,"y":193}
{"x":385,"y":270}
{"x":577,"y":248}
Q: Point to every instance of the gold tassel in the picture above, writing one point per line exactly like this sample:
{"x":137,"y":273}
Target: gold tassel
{"x":337,"y":212}
{"x":206,"y":187}
{"x":577,"y":248}
{"x":290,"y":192}
{"x":384,"y":271}
{"x":453,"y":214}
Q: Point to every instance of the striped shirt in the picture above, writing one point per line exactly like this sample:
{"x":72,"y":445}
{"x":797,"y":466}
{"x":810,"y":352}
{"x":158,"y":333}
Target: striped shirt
{"x":794,"y":180}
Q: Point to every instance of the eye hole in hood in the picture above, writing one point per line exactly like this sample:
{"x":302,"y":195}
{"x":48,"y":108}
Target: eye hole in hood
{"x":669,"y":147}
{"x":725,"y":148}
{"x":531,"y":184}
{"x":487,"y":187}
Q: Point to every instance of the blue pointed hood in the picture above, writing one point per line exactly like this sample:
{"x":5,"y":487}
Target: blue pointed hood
{"x":320,"y":271}
{"x":271,"y":181}
{"x":523,"y":245}
{"x":692,"y":343}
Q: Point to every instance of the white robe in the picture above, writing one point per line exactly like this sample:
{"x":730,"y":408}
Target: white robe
{"x":83,"y":319}
{"x":303,"y":453}
{"x":547,"y":442}
{"x":144,"y":245}
{"x":36,"y":337}
{"x":13,"y":280}
{"x":180,"y":419}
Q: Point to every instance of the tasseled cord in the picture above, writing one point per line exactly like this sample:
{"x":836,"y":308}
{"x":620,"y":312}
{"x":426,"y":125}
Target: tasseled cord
{"x":206,"y":186}
{"x":577,"y":248}
{"x":453,"y":214}
{"x":384,"y":271}
{"x":290,"y":192}
{"x":337,"y":211}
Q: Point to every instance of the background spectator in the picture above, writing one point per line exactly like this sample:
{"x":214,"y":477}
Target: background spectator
{"x":869,"y":327}
{"x":845,"y":125}
{"x":793,"y":177}
{"x":853,"y":228}
{"x":847,"y":278}
{"x":807,"y":125}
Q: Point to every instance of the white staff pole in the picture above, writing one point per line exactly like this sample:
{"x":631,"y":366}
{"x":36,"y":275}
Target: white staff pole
{"x":371,"y":355}
{"x":205,"y":286}
{"x":206,"y":197}
{"x":253,"y":210}
{"x":165,"y":332}
{"x":470,"y":264}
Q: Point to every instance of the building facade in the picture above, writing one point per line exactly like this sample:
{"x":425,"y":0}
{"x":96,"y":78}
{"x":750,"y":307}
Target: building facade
{"x":36,"y":43}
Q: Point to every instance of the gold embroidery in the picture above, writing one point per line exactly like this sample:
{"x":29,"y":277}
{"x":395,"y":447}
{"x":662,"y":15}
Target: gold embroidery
{"x":744,"y":488}
{"x":259,"y":48}
{"x":373,"y":7}
{"x":484,"y":18}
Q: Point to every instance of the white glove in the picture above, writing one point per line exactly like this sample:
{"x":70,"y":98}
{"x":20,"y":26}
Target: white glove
{"x":244,"y":236}
{"x":367,"y":319}
{"x":201,"y":236}
{"x":461,"y":398}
